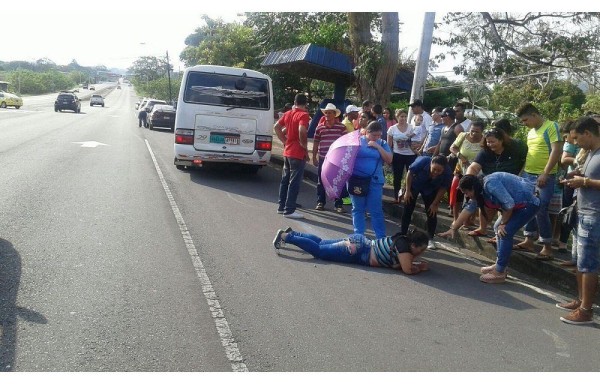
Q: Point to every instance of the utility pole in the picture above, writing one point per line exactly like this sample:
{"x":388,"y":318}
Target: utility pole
{"x":169,"y":78}
{"x":422,"y":67}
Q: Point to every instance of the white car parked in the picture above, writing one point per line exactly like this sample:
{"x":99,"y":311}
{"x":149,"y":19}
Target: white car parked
{"x":96,"y":100}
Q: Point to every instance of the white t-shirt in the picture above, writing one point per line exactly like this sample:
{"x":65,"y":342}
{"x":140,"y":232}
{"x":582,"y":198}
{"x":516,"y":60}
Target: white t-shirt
{"x":401,"y":140}
{"x":466,"y":125}
{"x":421,"y":131}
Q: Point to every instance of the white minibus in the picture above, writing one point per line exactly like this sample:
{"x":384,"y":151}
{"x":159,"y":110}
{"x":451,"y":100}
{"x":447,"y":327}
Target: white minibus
{"x":224,"y":114}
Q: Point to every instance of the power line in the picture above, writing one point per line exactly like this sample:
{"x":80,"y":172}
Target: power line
{"x":506,"y":79}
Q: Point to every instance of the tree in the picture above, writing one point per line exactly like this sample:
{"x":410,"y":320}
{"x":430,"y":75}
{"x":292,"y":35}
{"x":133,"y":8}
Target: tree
{"x":376,"y":62}
{"x":218,"y":43}
{"x":496,"y":45}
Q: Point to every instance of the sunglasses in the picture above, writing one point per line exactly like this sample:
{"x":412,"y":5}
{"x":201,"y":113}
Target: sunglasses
{"x":490,"y":131}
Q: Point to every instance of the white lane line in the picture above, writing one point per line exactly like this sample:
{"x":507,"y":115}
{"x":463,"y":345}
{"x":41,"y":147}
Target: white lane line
{"x":227,"y":340}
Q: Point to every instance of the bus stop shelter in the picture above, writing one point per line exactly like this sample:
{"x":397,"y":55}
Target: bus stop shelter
{"x":324,"y":64}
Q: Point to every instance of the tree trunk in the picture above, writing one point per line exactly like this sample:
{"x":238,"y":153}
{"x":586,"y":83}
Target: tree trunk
{"x":376,"y":82}
{"x":387,"y":72}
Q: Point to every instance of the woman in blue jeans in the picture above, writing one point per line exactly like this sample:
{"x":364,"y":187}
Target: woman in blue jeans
{"x":373,"y":152}
{"x":397,"y":252}
{"x":514,"y":197}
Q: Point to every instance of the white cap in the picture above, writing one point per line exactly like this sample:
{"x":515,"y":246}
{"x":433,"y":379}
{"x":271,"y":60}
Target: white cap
{"x":352,"y":108}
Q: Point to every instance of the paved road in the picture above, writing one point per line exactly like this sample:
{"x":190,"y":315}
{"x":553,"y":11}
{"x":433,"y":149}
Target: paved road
{"x":113,"y":260}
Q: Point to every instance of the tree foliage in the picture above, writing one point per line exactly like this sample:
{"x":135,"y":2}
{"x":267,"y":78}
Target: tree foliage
{"x":496,"y":45}
{"x":25,"y":81}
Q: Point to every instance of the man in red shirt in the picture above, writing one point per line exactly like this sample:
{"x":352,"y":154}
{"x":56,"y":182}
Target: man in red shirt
{"x":295,"y":155}
{"x":325,"y":135}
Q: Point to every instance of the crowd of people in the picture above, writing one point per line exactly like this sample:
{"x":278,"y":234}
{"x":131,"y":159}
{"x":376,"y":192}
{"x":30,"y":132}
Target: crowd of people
{"x":486,"y":174}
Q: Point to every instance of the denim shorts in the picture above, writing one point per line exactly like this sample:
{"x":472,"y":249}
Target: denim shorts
{"x":588,"y":244}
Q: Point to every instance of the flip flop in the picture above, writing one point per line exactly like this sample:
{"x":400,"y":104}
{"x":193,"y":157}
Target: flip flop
{"x":476,"y":233}
{"x":519,"y":247}
{"x":540,"y":257}
{"x":493,"y":240}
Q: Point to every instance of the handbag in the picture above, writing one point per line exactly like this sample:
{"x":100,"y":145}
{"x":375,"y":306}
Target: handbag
{"x":569,"y":215}
{"x":359,"y":185}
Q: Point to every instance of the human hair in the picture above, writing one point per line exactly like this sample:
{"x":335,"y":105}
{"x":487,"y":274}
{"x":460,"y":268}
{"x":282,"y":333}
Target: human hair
{"x":460,"y":105}
{"x":567,"y":126}
{"x":440,"y":160}
{"x":478,"y":123}
{"x":587,"y":123}
{"x":473,"y":183}
{"x":389,"y":111}
{"x":415,"y":237}
{"x":449,"y":112}
{"x":401,"y":111}
{"x":300,"y":99}
{"x":378,"y":109}
{"x":499,"y":134}
{"x":527,"y":109}
{"x":374,"y":126}
{"x":370,"y":116}
{"x":366,"y":103}
{"x":504,"y":124}
{"x":437,"y":109}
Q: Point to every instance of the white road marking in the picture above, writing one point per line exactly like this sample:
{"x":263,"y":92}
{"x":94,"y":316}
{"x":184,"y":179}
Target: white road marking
{"x":231,"y":350}
{"x":88,"y":144}
{"x":561,"y":346}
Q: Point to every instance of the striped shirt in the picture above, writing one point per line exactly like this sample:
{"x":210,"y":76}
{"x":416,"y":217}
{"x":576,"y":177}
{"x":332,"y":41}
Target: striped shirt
{"x":327,"y":135}
{"x":385,"y":255}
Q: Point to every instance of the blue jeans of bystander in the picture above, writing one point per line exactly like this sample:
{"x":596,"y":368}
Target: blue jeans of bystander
{"x":505,"y":243}
{"x":293,"y":171}
{"x":374,"y":205}
{"x":542,"y":218}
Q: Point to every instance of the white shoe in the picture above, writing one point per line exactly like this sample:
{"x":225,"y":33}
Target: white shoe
{"x":294,"y":215}
{"x":431,"y":245}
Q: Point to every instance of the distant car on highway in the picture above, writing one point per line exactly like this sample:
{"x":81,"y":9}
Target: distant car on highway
{"x":92,"y":88}
{"x":118,"y":87}
{"x":10,"y":100}
{"x":68,"y":101}
{"x":96,"y":100}
{"x":162,"y":115}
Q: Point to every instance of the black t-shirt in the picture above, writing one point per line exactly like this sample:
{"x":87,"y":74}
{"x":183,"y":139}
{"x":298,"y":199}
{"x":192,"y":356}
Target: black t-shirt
{"x":447,"y":139}
{"x":511,"y":160}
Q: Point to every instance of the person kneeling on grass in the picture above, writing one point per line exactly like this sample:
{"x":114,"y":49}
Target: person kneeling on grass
{"x":397,"y":251}
{"x":514,"y":197}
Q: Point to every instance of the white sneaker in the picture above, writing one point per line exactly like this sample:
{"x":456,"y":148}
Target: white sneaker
{"x":431,"y":245}
{"x":294,"y":215}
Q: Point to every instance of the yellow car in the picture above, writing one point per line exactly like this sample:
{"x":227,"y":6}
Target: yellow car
{"x":10,"y":100}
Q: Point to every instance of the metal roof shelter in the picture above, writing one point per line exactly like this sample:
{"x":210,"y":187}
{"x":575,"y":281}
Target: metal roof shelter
{"x":324,"y":64}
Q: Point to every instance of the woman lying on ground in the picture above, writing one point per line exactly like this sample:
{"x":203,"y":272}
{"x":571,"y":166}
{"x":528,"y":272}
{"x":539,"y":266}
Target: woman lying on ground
{"x":514,"y":197}
{"x":397,"y":251}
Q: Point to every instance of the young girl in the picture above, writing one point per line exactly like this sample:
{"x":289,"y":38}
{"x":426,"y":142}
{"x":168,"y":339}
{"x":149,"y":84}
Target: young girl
{"x":397,"y":251}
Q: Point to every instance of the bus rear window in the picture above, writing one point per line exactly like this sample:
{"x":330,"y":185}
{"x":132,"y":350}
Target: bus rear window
{"x":227,"y":90}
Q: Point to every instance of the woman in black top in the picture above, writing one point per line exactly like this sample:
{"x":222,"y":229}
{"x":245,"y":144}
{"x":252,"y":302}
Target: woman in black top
{"x":500,"y":153}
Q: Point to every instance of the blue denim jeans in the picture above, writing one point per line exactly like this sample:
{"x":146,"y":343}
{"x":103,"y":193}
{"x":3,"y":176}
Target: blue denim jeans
{"x":587,"y":243}
{"x":374,"y":205}
{"x":542,"y":218}
{"x":321,"y":196}
{"x":356,"y":249}
{"x":505,"y":244}
{"x":293,"y":171}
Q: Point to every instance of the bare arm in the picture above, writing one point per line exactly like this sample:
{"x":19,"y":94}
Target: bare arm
{"x":278,"y":128}
{"x":555,"y":155}
{"x":406,"y":264}
{"x":474,"y":169}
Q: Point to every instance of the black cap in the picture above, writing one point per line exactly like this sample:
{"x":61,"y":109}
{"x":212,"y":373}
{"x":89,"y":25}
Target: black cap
{"x":416,"y":103}
{"x":448,"y":112}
